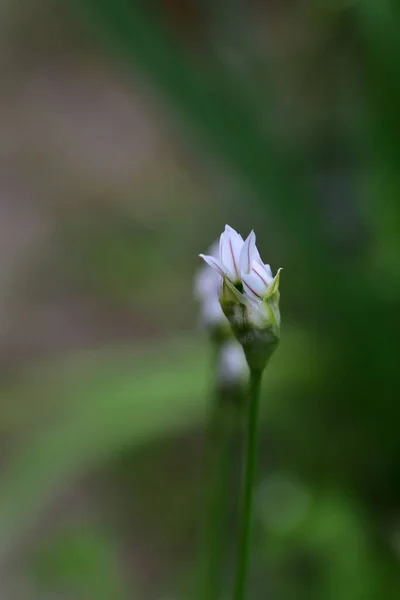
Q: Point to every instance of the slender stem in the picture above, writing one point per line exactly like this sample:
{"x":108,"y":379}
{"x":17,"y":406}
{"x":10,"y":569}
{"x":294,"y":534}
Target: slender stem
{"x":218,"y":492}
{"x":248,"y":487}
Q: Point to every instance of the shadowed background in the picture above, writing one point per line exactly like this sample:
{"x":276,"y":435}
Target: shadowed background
{"x":131,"y":133}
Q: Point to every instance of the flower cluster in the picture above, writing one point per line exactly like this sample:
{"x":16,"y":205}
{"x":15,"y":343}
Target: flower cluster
{"x":249,"y":295}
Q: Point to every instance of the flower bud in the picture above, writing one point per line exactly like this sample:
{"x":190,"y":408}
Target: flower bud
{"x":256,"y":325}
{"x":249,"y":296}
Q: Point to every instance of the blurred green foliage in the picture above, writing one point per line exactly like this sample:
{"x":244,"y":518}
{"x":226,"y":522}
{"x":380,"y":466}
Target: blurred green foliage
{"x":83,"y":563}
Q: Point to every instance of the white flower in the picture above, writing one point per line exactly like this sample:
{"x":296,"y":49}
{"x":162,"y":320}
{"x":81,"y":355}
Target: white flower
{"x":207,"y":287}
{"x":232,"y":365}
{"x":257,"y":282}
{"x":234,"y":255}
{"x":240,"y":263}
{"x":249,"y":295}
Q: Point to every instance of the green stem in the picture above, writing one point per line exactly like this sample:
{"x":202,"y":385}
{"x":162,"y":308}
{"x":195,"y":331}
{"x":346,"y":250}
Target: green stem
{"x":224,"y":429}
{"x":248,"y":487}
{"x":218,"y":492}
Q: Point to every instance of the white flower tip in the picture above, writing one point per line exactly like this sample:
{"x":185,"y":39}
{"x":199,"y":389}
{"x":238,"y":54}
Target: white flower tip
{"x":204,"y":257}
{"x":208,"y":259}
{"x":232,"y":232}
{"x":247,"y":253}
{"x":251,"y":238}
{"x":213,"y":262}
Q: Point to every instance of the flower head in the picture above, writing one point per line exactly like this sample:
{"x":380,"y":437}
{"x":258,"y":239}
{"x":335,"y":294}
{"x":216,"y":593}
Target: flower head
{"x":233,"y":256}
{"x":249,"y":295}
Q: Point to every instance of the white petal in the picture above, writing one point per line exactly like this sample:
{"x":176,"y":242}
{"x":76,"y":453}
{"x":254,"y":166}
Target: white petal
{"x":207,"y":282}
{"x":211,"y":313}
{"x":233,"y":232}
{"x":253,"y":287}
{"x":214,"y":263}
{"x":269,"y":270}
{"x":256,"y":256}
{"x":247,"y":253}
{"x":230,"y":246}
{"x":232,"y":368}
{"x":262,"y":273}
{"x":201,"y":282}
{"x":214,"y":249}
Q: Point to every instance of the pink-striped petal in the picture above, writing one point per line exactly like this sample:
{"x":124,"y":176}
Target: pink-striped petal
{"x":213,"y":263}
{"x":253,"y":287}
{"x":261,"y":274}
{"x":269,"y":270}
{"x":230,"y":246}
{"x":247,"y":253}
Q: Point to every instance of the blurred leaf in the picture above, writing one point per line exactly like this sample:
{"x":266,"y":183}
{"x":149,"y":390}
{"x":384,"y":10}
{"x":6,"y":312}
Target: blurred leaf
{"x":81,"y":562}
{"x":116,"y":401}
{"x":224,"y":117}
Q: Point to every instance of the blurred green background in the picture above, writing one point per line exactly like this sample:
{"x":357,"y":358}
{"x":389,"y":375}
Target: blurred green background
{"x":131,"y":132}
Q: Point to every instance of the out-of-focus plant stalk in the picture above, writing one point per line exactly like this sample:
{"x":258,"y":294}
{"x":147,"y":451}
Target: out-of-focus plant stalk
{"x":218,"y":490}
{"x":242,"y":566}
{"x":225,"y":419}
{"x":249,"y":298}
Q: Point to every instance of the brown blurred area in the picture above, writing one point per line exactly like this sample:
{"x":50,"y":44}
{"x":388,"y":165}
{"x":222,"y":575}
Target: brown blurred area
{"x":81,"y":145}
{"x":82,"y":142}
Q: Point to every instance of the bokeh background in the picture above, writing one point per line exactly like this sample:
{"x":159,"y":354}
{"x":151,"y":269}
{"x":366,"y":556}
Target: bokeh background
{"x":131,"y":132}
